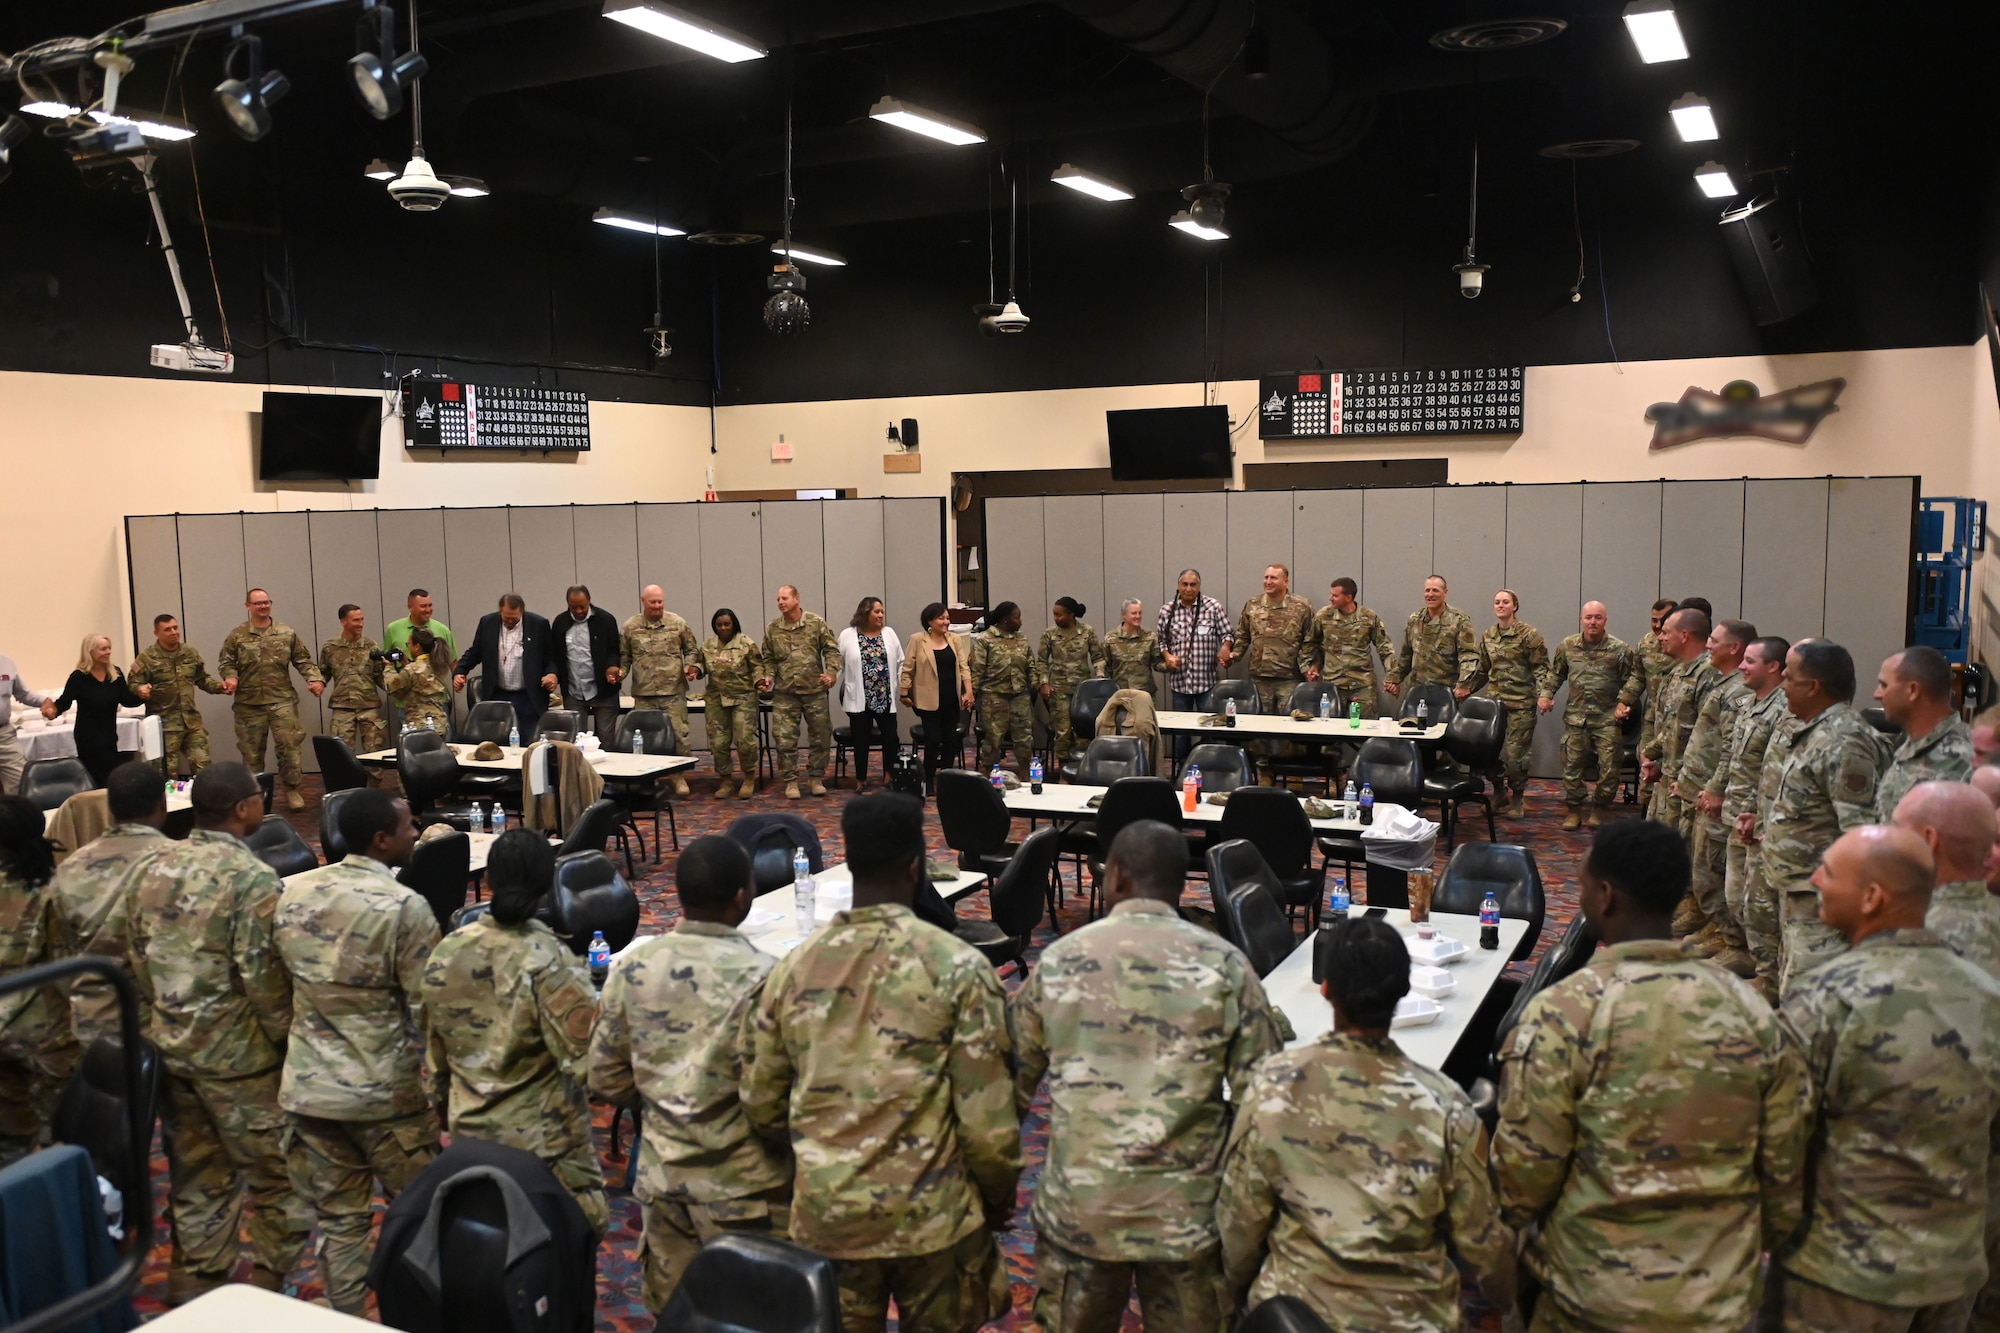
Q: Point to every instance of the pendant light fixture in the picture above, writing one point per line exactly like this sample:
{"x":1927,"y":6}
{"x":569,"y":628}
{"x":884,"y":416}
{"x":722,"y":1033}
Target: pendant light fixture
{"x":1008,"y":318}
{"x":1472,"y":273}
{"x":785,"y":310}
{"x":1202,"y":218}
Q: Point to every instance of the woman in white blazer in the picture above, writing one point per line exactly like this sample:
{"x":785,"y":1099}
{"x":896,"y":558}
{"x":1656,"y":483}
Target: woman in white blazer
{"x":871,"y":667}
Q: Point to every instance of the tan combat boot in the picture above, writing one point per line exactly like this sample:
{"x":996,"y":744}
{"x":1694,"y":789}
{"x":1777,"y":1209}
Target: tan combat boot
{"x":817,"y":788}
{"x":294,"y":801}
{"x":1596,"y":816}
{"x":1574,"y":819}
{"x":1518,"y":807}
{"x":1687,"y":919}
{"x":792,"y":791}
{"x":681,"y":788}
{"x":748,"y":790}
{"x":1738,"y":961}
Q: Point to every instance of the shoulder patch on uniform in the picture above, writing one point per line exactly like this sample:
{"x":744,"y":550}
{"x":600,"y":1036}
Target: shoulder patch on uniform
{"x":1857,"y":776}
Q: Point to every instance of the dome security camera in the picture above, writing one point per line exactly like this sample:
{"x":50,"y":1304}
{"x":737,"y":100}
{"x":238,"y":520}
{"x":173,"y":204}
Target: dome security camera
{"x":1471,"y":276}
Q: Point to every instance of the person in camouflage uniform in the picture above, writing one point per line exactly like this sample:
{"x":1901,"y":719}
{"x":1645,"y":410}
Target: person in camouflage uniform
{"x":1071,"y":654}
{"x":1680,"y":698}
{"x":91,"y":885}
{"x":1516,"y":658}
{"x":1731,"y":794}
{"x":38,"y":1048}
{"x":1914,"y":690}
{"x":1902,"y":1039}
{"x":1006,"y":674}
{"x":1163,"y":1011}
{"x":1352,"y":1172}
{"x":1714,"y":932}
{"x":1604,"y":682}
{"x":1440,"y":647}
{"x":1132,"y":652}
{"x":657,"y":652}
{"x":881,"y":1030}
{"x":1346,"y":640}
{"x":1819,"y":785}
{"x":508,"y":1012}
{"x":673,"y":1028}
{"x":254,"y":661}
{"x":421,"y":685}
{"x":1654,"y":664}
{"x":1273,"y":630}
{"x":215,"y":998}
{"x":1651,"y":1111}
{"x":175,"y":671}
{"x":733,"y":664}
{"x":801,"y":659}
{"x":355,"y":942}
{"x":353,"y":675}
{"x":1955,"y":822}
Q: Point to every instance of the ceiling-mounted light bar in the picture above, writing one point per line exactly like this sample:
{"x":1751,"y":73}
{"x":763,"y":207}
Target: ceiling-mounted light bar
{"x":1656,"y":31}
{"x":152,"y":124}
{"x":53,"y":110}
{"x":1187,"y":222}
{"x":611,"y":217}
{"x":811,"y":254}
{"x":891,"y":111}
{"x":1694,"y":118}
{"x":378,"y":170}
{"x":466,"y":187}
{"x":684,"y":29}
{"x":1714,"y":180}
{"x":1089,"y":182}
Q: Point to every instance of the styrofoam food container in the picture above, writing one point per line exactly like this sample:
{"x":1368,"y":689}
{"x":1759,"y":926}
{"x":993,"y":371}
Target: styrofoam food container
{"x":1415,"y":1011}
{"x":1436,"y":950}
{"x":1435,"y":982}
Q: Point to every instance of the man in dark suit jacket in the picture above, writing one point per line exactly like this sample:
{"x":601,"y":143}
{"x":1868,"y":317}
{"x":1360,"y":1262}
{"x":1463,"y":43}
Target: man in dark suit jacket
{"x":585,"y":655}
{"x":513,"y":645}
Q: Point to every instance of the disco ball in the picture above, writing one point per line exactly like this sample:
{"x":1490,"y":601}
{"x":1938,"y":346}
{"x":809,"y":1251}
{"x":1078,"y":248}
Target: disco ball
{"x":787,"y":312}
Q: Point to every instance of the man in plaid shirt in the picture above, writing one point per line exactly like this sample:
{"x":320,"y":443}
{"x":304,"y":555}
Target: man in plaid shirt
{"x":1193,"y":630}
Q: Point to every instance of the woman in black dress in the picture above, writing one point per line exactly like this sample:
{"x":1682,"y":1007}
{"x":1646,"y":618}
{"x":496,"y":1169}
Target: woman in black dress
{"x":98,"y":690}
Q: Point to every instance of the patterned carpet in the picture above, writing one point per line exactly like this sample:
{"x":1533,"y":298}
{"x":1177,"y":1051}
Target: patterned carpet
{"x":619,"y":1306}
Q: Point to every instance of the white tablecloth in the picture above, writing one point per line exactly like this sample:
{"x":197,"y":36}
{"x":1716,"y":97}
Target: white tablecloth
{"x":43,"y":739}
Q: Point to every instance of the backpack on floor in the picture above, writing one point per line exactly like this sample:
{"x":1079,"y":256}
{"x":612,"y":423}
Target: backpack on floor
{"x":906,"y":774}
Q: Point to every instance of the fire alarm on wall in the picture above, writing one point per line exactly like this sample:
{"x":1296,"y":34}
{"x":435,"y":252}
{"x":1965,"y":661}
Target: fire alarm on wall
{"x":781,"y":452}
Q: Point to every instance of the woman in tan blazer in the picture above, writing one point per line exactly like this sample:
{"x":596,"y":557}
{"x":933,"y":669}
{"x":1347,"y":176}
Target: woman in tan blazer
{"x":928,"y":656}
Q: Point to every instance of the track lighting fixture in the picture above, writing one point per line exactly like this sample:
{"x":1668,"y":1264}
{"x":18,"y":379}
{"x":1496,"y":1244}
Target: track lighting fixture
{"x":246,"y":101}
{"x":380,"y":75}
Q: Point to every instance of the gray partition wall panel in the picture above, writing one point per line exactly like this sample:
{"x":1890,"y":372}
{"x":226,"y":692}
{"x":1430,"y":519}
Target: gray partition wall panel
{"x":277,"y":552}
{"x":1017,"y":548}
{"x":1260,"y":535}
{"x":412,"y":546}
{"x":1869,"y":522}
{"x":1195,"y":535}
{"x":541,"y":541}
{"x":1784,"y":558}
{"x":478,"y":551}
{"x":733,"y":575}
{"x":153,"y":555}
{"x":347,"y":567}
{"x":852,"y":530}
{"x":1326,"y":542}
{"x":1701,"y":543}
{"x":912,"y":565}
{"x":1621,"y":560}
{"x":1545,"y":566}
{"x":794,"y":545}
{"x":1397,"y":552}
{"x":1075,"y":528}
{"x":1133,"y":543}
{"x":1469,"y":546}
{"x":607,"y":554}
{"x":212,"y":586}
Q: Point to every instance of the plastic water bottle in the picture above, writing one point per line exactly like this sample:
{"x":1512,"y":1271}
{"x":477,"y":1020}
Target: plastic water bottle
{"x":1325,"y":707}
{"x":1350,"y":801}
{"x":1423,"y":713}
{"x":478,"y":818}
{"x":499,"y":819}
{"x":1035,"y":775}
{"x":1341,"y":901}
{"x":1229,"y":710}
{"x":638,"y":741}
{"x":1367,"y":803}
{"x":600,"y":957}
{"x":998,"y":779}
{"x":805,"y":897}
{"x":514,"y":733}
{"x":1354,"y":717}
{"x":1191,"y":787}
{"x":1489,"y":922}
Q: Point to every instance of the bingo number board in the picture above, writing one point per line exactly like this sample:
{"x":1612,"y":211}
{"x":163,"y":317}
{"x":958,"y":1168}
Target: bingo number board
{"x":1476,"y":400}
{"x":452,"y":414}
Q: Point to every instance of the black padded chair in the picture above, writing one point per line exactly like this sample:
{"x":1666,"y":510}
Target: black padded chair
{"x":1128,"y":801}
{"x":1394,"y":767}
{"x":440,"y":872}
{"x":656,"y":736}
{"x":92,"y":1113}
{"x":976,"y":821}
{"x":1242,"y":691}
{"x":1275,"y":823}
{"x":590,"y":895}
{"x":1017,"y":898}
{"x":1282,"y":1314}
{"x":1439,"y":705}
{"x":1085,"y":703}
{"x":1256,"y":919}
{"x":1512,"y":876}
{"x":558,"y":724}
{"x":1231,"y":865}
{"x":1321,"y":758}
{"x":419,"y":740}
{"x":339,"y":769}
{"x":1223,"y":767}
{"x":1475,"y":1059}
{"x":597,"y":824}
{"x":772,"y":854}
{"x":488,"y":721}
{"x":47,"y":783}
{"x":331,"y":845}
{"x":278,"y":845}
{"x":745,"y":1283}
{"x":430,"y":784}
{"x":1474,"y":739}
{"x":744,"y":831}
{"x":1109,"y":758}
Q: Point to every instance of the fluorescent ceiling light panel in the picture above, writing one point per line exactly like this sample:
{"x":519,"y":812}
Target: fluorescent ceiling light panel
{"x":1713,"y":178}
{"x":1184,"y":221}
{"x":683,"y":29}
{"x":378,"y":170}
{"x":1090,"y":183}
{"x":930,"y":124}
{"x":1695,"y":119}
{"x":465,"y":187}
{"x":1656,"y":31}
{"x":611,"y":217}
{"x":811,"y":254}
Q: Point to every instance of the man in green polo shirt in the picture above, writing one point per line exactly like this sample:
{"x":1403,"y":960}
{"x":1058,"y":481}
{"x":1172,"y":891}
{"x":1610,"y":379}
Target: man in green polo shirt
{"x":396,"y":638}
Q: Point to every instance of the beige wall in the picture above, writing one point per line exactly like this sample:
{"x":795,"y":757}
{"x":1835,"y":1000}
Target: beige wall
{"x":1983,"y":482}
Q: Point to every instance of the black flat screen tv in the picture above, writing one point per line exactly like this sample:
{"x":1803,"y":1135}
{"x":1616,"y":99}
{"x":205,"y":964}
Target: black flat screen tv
{"x":321,"y":437}
{"x":1169,"y":443}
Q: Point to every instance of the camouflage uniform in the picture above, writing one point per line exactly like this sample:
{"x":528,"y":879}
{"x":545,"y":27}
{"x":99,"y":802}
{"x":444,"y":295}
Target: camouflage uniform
{"x":1707,"y":836}
{"x":1344,"y":646}
{"x":1130,"y":659}
{"x":422,"y":694}
{"x":881,"y":1045}
{"x":90,"y":888}
{"x":38,"y":1048}
{"x":795,"y":657}
{"x":672,"y":1030}
{"x":1943,"y":756}
{"x":1736,"y":780}
{"x":1967,"y":918}
{"x":1902,"y":1039}
{"x":1601,"y":676}
{"x":175,"y":676}
{"x":1652,"y":1136}
{"x":1069,"y":657}
{"x":216,"y":1001}
{"x":355,"y":942}
{"x":266,"y":704}
{"x":1439,"y":650}
{"x":733,"y":670}
{"x":1350,"y":1173}
{"x":1681,"y":696}
{"x":1654,"y":662}
{"x":1006,"y":674}
{"x":1515,"y":660}
{"x":654,"y":656}
{"x":353,"y":680}
{"x":1273,"y":637}
{"x":1164,"y":1012}
{"x":1820,"y":786}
